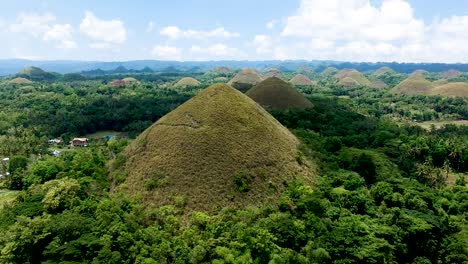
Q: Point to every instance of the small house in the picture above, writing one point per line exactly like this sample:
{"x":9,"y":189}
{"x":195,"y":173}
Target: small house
{"x":79,"y":142}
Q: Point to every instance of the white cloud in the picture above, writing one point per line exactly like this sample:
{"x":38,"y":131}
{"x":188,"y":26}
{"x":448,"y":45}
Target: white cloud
{"x":217,"y":50}
{"x":166,"y":52}
{"x":150,"y":27}
{"x":32,"y":23}
{"x":357,"y":30}
{"x":271,"y":24}
{"x":105,"y":32}
{"x":174,"y":32}
{"x":62,"y":34}
{"x":41,"y":25}
{"x":263,"y":44}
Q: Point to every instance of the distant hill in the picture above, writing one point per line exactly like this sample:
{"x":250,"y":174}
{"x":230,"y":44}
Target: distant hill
{"x":187,"y":81}
{"x":36,"y":74}
{"x":330,"y":71}
{"x":278,"y":95}
{"x":219,"y":149}
{"x":300,"y":79}
{"x":9,"y":67}
{"x":273,"y":72}
{"x":355,"y":75}
{"x":383,"y":70}
{"x":20,"y":80}
{"x":348,"y":82}
{"x":451,"y":74}
{"x":451,"y":89}
{"x":420,"y":72}
{"x":245,"y":79}
{"x":415,"y":84}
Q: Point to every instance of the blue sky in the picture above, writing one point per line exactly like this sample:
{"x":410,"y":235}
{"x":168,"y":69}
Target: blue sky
{"x":355,"y":30}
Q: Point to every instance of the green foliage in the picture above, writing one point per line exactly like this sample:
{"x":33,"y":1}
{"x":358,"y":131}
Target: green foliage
{"x":385,"y":191}
{"x":242,"y":181}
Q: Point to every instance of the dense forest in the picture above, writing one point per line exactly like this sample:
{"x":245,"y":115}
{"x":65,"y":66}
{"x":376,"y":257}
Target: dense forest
{"x":388,"y":189}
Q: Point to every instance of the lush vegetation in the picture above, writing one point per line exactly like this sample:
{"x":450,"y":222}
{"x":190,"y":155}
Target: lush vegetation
{"x":388,"y":190}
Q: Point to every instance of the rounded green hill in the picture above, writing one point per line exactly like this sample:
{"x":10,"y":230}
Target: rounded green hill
{"x":245,"y":79}
{"x":278,"y":95}
{"x":219,"y":149}
{"x":36,"y":74}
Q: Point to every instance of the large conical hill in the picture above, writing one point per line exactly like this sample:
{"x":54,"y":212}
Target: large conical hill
{"x":278,"y":95}
{"x":219,"y":149}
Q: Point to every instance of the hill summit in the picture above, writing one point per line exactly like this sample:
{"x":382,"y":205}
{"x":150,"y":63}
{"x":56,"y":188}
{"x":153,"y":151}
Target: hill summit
{"x":278,"y":95}
{"x":219,"y":149}
{"x":245,"y":80}
{"x":273,"y":72}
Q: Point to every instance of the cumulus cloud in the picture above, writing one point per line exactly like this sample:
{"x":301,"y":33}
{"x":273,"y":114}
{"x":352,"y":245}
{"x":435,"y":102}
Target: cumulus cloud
{"x":62,"y":34}
{"x":41,"y":25}
{"x":105,"y":32}
{"x":167,"y":52}
{"x":357,"y":30}
{"x":174,"y":32}
{"x":263,"y":44}
{"x":32,"y":23}
{"x":217,"y":50}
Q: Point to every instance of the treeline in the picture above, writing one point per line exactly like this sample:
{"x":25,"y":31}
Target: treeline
{"x":78,"y":108}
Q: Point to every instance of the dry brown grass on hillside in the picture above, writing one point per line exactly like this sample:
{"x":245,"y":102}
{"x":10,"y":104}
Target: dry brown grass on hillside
{"x":301,"y":79}
{"x":276,"y":94}
{"x":451,"y":89}
{"x":415,"y":84}
{"x":274,"y":72}
{"x":20,"y":80}
{"x":355,"y":75}
{"x":379,"y":85}
{"x":187,"y":81}
{"x":245,"y":80}
{"x":348,"y":82}
{"x":219,"y":149}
